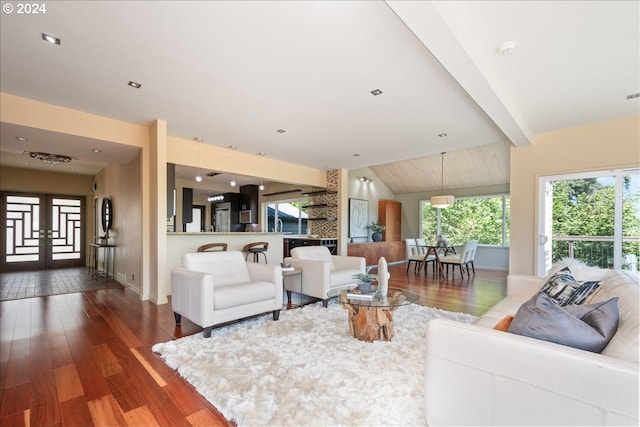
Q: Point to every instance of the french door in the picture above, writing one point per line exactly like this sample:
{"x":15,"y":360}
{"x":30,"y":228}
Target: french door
{"x":41,"y":231}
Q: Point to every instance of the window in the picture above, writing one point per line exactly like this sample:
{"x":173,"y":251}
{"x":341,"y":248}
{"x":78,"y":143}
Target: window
{"x":483,"y":218}
{"x":288,"y":217}
{"x":591,"y":216}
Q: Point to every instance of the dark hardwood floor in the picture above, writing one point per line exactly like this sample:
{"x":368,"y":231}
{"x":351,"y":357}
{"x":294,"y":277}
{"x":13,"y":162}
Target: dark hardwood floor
{"x":84,"y":359}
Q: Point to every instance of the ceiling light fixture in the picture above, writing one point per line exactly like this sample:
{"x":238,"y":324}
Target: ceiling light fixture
{"x":261,"y":187}
{"x":232,"y":147}
{"x":442,"y":201}
{"x":281,"y":131}
{"x":217,"y":198}
{"x":633,"y":95}
{"x":198,"y":138}
{"x":364,"y":179}
{"x":51,"y":39}
{"x":198,"y":177}
{"x":376,"y":92}
{"x":442,"y":135}
{"x":52,"y":159}
{"x":134,"y":84}
{"x":96,"y":150}
{"x":233,"y":182}
{"x":21,"y":138}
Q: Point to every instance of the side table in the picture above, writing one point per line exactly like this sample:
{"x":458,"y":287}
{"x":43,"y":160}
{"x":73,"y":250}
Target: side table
{"x":292,"y":282}
{"x":108,"y":257}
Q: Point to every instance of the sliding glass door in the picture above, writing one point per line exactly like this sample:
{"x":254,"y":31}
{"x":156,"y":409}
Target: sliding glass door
{"x":594,"y":217}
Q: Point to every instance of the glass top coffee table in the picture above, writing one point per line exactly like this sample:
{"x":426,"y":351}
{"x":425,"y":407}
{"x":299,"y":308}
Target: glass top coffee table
{"x":371,"y":320}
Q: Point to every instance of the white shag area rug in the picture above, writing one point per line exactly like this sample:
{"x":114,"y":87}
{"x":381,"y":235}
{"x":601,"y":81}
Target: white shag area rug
{"x":306,"y":369}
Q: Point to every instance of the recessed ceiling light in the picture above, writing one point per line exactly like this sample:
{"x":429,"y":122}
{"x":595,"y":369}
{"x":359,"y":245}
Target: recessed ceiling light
{"x":198,"y":138}
{"x":442,"y":135}
{"x":356,"y":155}
{"x":232,"y":147}
{"x":261,"y":153}
{"x":376,"y":92}
{"x":21,"y":138}
{"x":134,"y":85}
{"x":96,"y":150}
{"x":633,"y":95}
{"x":51,"y":39}
{"x":281,"y":131}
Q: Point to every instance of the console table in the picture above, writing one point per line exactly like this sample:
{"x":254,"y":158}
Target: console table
{"x":108,"y":253}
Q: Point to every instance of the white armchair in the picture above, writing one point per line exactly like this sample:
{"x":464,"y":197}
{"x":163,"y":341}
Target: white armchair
{"x":217,"y":287}
{"x":322,"y":272}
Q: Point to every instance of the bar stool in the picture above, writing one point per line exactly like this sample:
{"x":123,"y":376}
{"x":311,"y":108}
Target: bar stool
{"x":256,"y":248}
{"x":213,"y":247}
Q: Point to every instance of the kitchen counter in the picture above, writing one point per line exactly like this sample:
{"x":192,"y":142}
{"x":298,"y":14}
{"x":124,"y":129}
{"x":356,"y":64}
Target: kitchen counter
{"x":292,"y":241}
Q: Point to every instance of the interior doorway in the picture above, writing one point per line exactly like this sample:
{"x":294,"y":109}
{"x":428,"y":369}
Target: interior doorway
{"x":41,"y":231}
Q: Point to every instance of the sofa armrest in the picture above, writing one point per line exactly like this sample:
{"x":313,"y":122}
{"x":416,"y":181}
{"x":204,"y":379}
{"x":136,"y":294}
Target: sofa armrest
{"x":523,"y":285}
{"x":508,"y":379}
{"x":316,"y":276}
{"x":268,"y":273}
{"x":192,"y":295}
{"x":265,"y":272}
{"x":349,"y":263}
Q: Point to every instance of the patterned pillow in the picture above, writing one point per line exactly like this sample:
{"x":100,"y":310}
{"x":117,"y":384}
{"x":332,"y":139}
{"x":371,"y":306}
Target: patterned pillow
{"x":564,"y":289}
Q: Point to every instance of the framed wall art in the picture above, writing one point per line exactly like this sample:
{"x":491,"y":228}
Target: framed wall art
{"x":358,"y":218}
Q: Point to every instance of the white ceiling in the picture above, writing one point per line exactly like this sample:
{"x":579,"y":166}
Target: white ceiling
{"x":233,"y":73}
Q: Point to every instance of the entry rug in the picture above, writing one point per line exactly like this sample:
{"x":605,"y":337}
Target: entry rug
{"x":306,"y":370}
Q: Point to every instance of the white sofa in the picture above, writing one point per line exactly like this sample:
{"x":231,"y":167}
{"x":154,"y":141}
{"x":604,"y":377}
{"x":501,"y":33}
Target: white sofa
{"x":322,"y":272}
{"x":217,"y":287}
{"x":476,"y":375}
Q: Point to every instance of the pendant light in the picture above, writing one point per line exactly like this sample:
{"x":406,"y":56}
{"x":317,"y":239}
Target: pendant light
{"x":442,"y":201}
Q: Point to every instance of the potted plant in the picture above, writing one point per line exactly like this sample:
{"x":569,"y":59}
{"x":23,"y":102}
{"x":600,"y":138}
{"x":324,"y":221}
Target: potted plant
{"x":376,"y":231}
{"x":364,"y":281}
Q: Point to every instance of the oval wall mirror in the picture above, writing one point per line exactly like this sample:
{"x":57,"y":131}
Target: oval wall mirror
{"x":107,"y":214}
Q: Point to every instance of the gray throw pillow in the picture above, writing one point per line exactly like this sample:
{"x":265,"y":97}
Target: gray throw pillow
{"x":565,"y":289}
{"x":587,"y":327}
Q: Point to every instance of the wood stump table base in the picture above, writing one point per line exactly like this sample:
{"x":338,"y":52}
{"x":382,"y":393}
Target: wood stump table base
{"x":370,"y":323}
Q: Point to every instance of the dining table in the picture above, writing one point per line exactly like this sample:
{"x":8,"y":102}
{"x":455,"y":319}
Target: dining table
{"x":436,"y":250}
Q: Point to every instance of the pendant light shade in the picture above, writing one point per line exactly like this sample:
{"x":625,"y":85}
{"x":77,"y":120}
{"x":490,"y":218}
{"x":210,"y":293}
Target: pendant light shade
{"x":442,"y":201}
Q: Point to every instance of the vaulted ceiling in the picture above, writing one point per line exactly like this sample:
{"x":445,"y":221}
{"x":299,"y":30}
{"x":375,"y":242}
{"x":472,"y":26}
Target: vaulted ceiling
{"x":294,"y":80}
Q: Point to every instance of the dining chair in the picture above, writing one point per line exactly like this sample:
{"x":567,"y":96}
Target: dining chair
{"x":413,"y":255}
{"x":422,"y":248}
{"x":463,"y":259}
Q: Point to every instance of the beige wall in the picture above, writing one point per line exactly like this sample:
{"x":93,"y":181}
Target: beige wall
{"x":600,"y":146}
{"x":25,"y":180}
{"x":115,"y":181}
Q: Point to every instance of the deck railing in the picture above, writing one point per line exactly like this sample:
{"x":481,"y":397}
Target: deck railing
{"x":597,"y":250}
